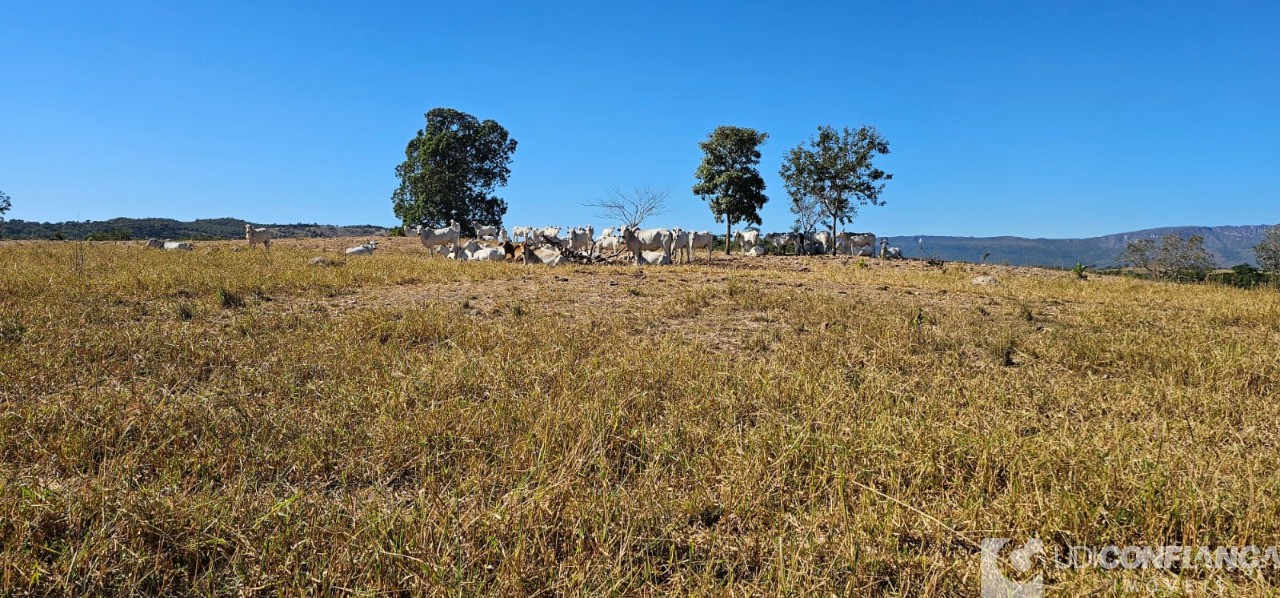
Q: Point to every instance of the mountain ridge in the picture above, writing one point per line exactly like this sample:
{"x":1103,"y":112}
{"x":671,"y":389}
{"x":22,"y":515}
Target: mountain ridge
{"x":1229,"y":245}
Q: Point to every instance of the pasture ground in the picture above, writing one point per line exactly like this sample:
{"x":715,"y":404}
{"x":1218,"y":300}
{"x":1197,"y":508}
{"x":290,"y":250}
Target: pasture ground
{"x":223,"y":422}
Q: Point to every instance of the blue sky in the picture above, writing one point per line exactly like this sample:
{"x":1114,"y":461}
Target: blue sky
{"x":1053,"y":119}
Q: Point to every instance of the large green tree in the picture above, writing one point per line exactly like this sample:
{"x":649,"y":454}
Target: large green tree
{"x":728,"y":178}
{"x":835,"y":169}
{"x":1268,"y":250}
{"x":451,"y":170}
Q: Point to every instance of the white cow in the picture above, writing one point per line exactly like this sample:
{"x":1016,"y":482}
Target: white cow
{"x":680,"y":240}
{"x":747,"y":239}
{"x":756,"y":251}
{"x":366,"y":249}
{"x":856,"y":243}
{"x":609,"y":243}
{"x":486,"y":232}
{"x":823,"y":238}
{"x":549,"y":231}
{"x":655,"y":258}
{"x":521,"y":233}
{"x":699,"y":240}
{"x":489,"y":254}
{"x":892,"y":253}
{"x":169,"y":245}
{"x":651,"y":239}
{"x":580,"y":239}
{"x":432,"y":237}
{"x":465,"y":250}
{"x":257,"y":235}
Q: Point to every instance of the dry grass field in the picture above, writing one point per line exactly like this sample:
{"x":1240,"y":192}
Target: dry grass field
{"x":222,"y":422}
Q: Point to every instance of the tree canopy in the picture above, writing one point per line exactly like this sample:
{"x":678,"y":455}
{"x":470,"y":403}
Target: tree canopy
{"x":1268,"y":250}
{"x":451,"y":170}
{"x":1175,"y":258}
{"x":5,"y":204}
{"x":835,"y":169}
{"x":728,"y":178}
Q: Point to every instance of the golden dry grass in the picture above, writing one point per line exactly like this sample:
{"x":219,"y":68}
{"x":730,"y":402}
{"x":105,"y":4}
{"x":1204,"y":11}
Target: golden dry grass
{"x":221,"y":422}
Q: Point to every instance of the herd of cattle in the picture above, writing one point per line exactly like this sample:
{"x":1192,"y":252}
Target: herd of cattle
{"x":644,"y":246}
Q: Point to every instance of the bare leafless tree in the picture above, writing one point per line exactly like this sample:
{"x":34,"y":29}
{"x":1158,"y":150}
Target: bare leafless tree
{"x":631,"y":209}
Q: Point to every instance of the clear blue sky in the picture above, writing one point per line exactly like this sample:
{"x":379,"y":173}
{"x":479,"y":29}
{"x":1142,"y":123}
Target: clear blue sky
{"x":1026,"y":118}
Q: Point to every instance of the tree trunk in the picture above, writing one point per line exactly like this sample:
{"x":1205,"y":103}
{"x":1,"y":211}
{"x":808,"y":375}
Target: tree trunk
{"x":833,"y":235}
{"x":728,"y":235}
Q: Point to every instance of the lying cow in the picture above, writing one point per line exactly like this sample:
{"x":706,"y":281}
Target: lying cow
{"x":366,"y":249}
{"x":169,"y":245}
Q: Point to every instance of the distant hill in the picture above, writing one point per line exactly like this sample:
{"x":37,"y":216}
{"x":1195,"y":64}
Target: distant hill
{"x":1230,"y":245}
{"x":164,"y":228}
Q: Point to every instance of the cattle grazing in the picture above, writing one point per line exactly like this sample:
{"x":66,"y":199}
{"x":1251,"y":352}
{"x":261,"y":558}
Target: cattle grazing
{"x":747,"y":239}
{"x":521,"y":233}
{"x":256,"y":236}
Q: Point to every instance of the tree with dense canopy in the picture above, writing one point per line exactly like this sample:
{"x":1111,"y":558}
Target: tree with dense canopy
{"x":5,"y":204}
{"x":728,"y":178}
{"x":835,"y":170}
{"x":451,"y":170}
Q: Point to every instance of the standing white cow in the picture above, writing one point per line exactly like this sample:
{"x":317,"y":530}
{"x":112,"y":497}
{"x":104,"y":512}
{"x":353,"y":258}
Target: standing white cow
{"x":580,"y":239}
{"x":433,"y":237}
{"x":486,"y":232}
{"x":680,"y":245}
{"x":521,"y":233}
{"x":699,"y":240}
{"x":257,"y":235}
{"x":609,"y":243}
{"x":856,"y":243}
{"x":652,"y":239}
{"x":747,"y":239}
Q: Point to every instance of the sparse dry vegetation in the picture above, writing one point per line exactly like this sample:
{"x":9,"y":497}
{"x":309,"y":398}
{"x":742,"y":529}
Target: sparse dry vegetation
{"x":226,"y":422}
